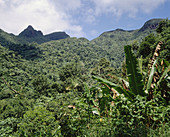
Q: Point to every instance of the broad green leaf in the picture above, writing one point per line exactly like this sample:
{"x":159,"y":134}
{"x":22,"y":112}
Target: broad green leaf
{"x":119,"y":89}
{"x":153,"y":69}
{"x":166,"y":62}
{"x":134,"y":76}
{"x":140,"y":64}
{"x":164,"y":74}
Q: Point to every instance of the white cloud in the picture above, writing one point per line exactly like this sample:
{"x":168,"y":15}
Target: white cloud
{"x":57,"y":15}
{"x":67,"y":5}
{"x":44,"y":15}
{"x":128,"y":7}
{"x":1,"y":2}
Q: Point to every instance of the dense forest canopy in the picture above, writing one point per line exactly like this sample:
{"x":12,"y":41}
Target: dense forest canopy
{"x":115,"y":85}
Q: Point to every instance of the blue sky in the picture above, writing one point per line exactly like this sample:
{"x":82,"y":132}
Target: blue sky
{"x":79,"y":18}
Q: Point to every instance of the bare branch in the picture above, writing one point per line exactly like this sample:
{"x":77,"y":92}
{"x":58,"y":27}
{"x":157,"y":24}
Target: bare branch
{"x":16,"y":92}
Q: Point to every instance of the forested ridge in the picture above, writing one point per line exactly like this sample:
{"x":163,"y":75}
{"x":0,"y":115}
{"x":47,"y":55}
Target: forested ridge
{"x":114,"y":85}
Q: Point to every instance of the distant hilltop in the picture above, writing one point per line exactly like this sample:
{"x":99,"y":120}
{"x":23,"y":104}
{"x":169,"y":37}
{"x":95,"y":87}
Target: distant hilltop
{"x":32,"y":35}
{"x":149,"y":25}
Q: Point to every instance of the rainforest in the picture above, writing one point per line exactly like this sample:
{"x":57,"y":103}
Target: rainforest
{"x":116,"y":85}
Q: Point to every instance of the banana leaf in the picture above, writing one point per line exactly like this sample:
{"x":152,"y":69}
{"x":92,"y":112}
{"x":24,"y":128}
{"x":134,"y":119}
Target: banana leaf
{"x":119,"y":89}
{"x":140,"y":64}
{"x":164,"y":74}
{"x":134,"y":76}
{"x":153,"y":70}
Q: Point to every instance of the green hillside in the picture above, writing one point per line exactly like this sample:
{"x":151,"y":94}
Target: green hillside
{"x":109,"y":45}
{"x":74,"y":87}
{"x":7,"y":39}
{"x":113,"y":41}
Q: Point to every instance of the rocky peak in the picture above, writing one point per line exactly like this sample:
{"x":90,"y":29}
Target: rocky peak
{"x":30,"y":27}
{"x":30,"y":32}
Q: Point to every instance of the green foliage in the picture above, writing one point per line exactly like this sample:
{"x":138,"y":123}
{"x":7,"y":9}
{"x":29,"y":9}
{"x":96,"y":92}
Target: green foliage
{"x":41,"y":85}
{"x":146,"y":46}
{"x":134,"y":76}
{"x":136,"y":85}
{"x":149,"y":44}
{"x":103,"y":69}
{"x":38,"y":122}
{"x":14,"y":107}
{"x":8,"y":126}
{"x":118,"y":89}
{"x":73,"y":113}
{"x":101,"y":99}
{"x":163,"y":25}
{"x":153,"y":70}
{"x":55,"y":95}
{"x":164,"y":36}
{"x":11,"y":112}
{"x":71,"y":76}
{"x":71,"y":70}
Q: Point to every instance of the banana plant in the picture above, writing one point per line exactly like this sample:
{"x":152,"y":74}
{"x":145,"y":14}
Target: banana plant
{"x":135,"y":80}
{"x":136,"y":83}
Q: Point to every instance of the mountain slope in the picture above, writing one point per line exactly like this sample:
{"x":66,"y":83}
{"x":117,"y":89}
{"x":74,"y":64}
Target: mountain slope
{"x":150,"y":25}
{"x":108,"y":45}
{"x":114,"y":41}
{"x":6,"y":38}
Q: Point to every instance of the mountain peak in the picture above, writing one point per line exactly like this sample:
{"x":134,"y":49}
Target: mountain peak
{"x":30,"y":32}
{"x":150,"y":24}
{"x":30,"y":27}
{"x":32,"y":35}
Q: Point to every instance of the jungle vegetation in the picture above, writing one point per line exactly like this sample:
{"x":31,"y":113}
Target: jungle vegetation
{"x":115,"y":85}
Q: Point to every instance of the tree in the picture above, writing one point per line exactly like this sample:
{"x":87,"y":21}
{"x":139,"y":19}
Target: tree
{"x":103,"y":69}
{"x":41,"y":85}
{"x":38,"y":122}
{"x":146,"y":46}
{"x":71,"y":77}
